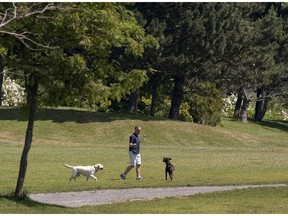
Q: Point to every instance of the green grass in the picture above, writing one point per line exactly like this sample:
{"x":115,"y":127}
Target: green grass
{"x":230,"y":155}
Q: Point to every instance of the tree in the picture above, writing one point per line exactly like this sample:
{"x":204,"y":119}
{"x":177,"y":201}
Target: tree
{"x":79,"y":72}
{"x":274,"y":88}
{"x":152,"y":17}
{"x":8,"y":18}
{"x":262,"y":64}
{"x":193,"y":40}
{"x":237,"y":44}
{"x":23,"y":12}
{"x":12,"y":13}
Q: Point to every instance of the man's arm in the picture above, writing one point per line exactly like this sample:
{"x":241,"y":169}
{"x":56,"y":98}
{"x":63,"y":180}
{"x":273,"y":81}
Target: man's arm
{"x":132,"y":144}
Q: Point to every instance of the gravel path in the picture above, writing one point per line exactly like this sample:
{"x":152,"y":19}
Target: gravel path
{"x":100,"y":197}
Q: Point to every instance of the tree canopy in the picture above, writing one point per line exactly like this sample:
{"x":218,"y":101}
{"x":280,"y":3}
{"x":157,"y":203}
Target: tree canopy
{"x":73,"y":68}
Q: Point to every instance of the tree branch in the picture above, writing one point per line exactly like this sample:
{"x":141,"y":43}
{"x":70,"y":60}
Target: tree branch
{"x":4,"y":22}
{"x":23,"y":38}
{"x":17,"y":14}
{"x":49,"y":6}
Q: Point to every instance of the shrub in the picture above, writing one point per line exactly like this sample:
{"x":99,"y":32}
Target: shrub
{"x":184,"y":114}
{"x":13,"y":94}
{"x":206,"y":104}
{"x":276,"y":110}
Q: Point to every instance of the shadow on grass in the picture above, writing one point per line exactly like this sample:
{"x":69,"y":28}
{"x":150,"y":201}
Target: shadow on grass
{"x":70,"y":115}
{"x":277,"y":124}
{"x":25,"y":201}
{"x":281,"y":125}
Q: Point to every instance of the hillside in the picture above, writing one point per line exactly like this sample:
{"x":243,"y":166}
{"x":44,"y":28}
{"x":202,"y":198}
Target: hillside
{"x":232,"y":154}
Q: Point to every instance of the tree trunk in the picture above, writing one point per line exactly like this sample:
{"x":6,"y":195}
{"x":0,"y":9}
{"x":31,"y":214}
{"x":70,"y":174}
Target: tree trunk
{"x":237,"y":109}
{"x":32,"y":98}
{"x":133,"y":102}
{"x":261,"y":105}
{"x":176,"y":98}
{"x":154,"y":94}
{"x":244,"y":108}
{"x":1,"y":80}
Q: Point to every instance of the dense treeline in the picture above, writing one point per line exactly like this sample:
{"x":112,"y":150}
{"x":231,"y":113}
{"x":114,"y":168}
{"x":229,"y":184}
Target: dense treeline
{"x":187,"y":56}
{"x":172,"y":59}
{"x":208,"y":50}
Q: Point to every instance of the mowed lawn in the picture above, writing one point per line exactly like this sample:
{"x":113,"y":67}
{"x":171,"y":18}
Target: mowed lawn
{"x":233,"y":154}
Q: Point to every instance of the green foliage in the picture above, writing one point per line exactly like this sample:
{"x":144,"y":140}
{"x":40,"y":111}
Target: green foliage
{"x":276,"y":111}
{"x":184,"y":114}
{"x":103,"y":53}
{"x":3,"y":52}
{"x":206,"y":103}
{"x":144,"y":105}
{"x":163,"y":109}
{"x":81,"y":70}
{"x":255,"y":46}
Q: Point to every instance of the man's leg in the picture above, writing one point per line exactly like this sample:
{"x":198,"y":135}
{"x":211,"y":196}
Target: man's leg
{"x":138,"y":170}
{"x":127,"y":170}
{"x":138,"y":167}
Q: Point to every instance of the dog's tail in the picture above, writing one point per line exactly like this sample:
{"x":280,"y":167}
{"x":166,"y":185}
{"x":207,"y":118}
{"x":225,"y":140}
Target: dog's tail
{"x":68,"y":166}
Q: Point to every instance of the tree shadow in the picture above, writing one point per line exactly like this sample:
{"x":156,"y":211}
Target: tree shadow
{"x":278,"y":124}
{"x":71,"y":115}
{"x":281,"y":125}
{"x":26,"y":201}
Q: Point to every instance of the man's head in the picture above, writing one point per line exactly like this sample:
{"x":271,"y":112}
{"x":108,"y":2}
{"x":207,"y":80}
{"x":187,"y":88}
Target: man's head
{"x":137,"y":129}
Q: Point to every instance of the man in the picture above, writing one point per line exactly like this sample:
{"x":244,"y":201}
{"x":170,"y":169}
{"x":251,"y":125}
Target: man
{"x":134,"y":154}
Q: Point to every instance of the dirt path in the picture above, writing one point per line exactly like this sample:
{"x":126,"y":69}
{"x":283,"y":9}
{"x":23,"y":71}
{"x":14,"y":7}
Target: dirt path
{"x":100,"y":197}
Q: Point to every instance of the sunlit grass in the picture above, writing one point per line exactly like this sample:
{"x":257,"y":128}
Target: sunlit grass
{"x":230,"y":155}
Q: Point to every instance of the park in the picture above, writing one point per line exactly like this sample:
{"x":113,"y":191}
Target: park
{"x":207,"y":83}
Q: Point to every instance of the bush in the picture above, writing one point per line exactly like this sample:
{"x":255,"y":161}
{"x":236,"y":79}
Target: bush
{"x":161,"y":109}
{"x":184,"y":114}
{"x":229,"y":105}
{"x":276,"y":110}
{"x":206,"y":104}
{"x":13,"y":94}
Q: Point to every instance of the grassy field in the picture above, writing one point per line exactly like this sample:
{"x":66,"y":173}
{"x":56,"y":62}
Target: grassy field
{"x":230,"y":155}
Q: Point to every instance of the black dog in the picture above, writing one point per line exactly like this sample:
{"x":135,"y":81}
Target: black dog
{"x":169,"y":167}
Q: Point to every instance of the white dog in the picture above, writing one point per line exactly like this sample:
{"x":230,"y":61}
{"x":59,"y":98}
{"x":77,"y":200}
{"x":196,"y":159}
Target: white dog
{"x":87,"y":171}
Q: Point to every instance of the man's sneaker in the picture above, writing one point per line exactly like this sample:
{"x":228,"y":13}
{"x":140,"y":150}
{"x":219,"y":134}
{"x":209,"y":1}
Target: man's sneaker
{"x":122,"y":176}
{"x":139,"y":178}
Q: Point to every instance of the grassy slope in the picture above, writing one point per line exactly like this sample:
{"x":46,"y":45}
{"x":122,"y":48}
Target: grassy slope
{"x":233,"y":154}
